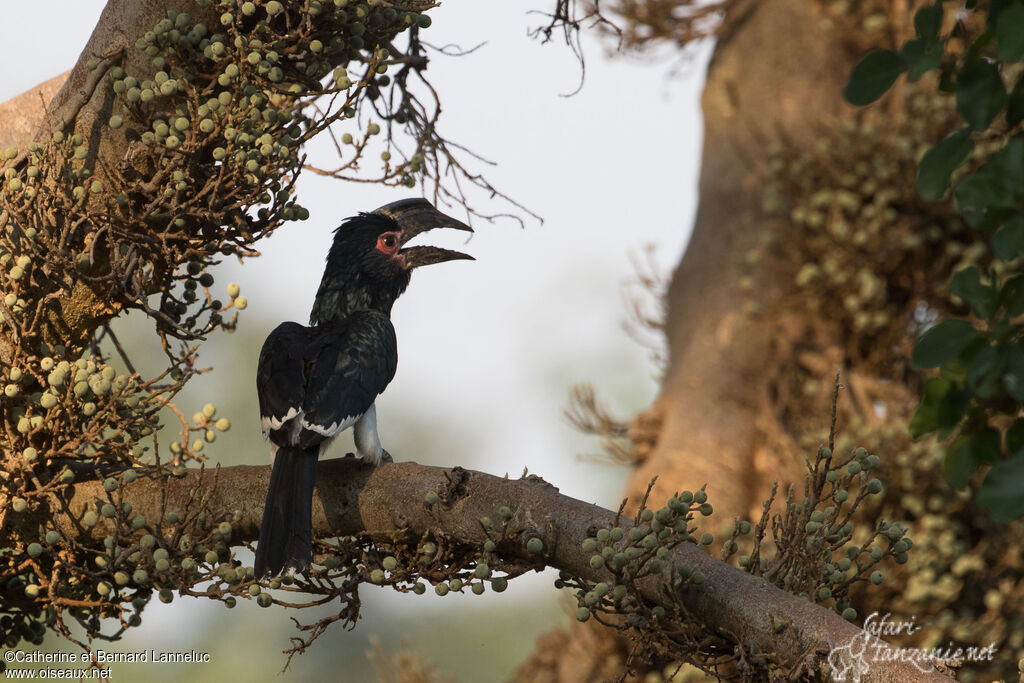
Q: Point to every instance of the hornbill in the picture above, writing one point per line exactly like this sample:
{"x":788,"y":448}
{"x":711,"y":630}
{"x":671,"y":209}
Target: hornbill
{"x":315,"y":382}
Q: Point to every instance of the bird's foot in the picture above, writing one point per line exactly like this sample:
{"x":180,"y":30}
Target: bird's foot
{"x":385,"y":456}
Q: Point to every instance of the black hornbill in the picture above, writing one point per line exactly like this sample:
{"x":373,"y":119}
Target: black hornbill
{"x":315,"y":382}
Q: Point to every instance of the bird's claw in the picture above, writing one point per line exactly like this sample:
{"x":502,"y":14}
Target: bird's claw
{"x":386,"y":457}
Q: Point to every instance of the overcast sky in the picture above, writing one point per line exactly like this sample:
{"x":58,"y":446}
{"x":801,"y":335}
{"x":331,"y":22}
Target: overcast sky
{"x":488,"y":349}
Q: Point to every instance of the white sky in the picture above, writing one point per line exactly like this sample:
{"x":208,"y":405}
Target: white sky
{"x":491,"y":348}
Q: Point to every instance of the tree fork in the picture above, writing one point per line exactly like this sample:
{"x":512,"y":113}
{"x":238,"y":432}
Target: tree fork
{"x":352,"y":498}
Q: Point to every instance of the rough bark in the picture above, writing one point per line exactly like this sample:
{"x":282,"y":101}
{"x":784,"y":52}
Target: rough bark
{"x":83,"y":106}
{"x":352,"y":498}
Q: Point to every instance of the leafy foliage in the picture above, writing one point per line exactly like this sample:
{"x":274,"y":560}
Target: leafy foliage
{"x":979,"y":394}
{"x":873,"y":76}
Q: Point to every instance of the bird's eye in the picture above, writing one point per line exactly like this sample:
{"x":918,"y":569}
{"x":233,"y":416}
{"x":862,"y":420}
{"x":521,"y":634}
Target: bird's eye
{"x":388,"y":243}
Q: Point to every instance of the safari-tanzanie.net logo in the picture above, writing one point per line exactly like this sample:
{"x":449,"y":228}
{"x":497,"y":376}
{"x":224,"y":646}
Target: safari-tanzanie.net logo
{"x":851,"y":661}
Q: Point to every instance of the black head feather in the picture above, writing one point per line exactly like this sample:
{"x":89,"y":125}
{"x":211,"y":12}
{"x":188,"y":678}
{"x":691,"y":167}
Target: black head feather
{"x":361,"y":276}
{"x":358,"y":276}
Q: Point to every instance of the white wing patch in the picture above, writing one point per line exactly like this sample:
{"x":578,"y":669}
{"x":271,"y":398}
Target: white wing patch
{"x":269,"y":424}
{"x":367,"y":441}
{"x":333,"y":429}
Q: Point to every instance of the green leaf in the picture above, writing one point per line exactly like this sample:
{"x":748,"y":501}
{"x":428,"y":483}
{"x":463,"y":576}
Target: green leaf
{"x":1008,"y":166}
{"x":980,"y":191}
{"x":1015,"y":104}
{"x":958,"y":465}
{"x":999,"y":183}
{"x":939,"y":162}
{"x":1010,"y":33}
{"x":1015,"y":436}
{"x":942,"y":342}
{"x":982,"y":45}
{"x":967,"y":285}
{"x":930,"y":59}
{"x":942,"y":405}
{"x":1008,"y":242}
{"x":980,"y":94}
{"x":954,"y":371}
{"x":995,"y":9}
{"x":872,"y":76}
{"x":986,"y":445}
{"x":1011,"y":295}
{"x":967,"y":453}
{"x":920,"y":57}
{"x":925,"y":419}
{"x":1002,"y":492}
{"x":985,"y":371}
{"x":928,"y":21}
{"x":1013,"y":378}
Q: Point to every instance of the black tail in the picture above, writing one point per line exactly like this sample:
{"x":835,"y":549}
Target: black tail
{"x":286,"y":536}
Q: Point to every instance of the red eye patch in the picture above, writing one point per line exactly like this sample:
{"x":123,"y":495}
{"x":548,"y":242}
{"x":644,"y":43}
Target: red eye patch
{"x":388,"y":243}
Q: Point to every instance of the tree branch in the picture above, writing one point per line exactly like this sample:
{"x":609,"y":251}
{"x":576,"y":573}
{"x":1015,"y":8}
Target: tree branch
{"x":352,"y":499}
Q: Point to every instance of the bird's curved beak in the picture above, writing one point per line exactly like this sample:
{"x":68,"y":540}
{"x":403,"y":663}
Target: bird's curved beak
{"x":415,"y":257}
{"x":415,"y":216}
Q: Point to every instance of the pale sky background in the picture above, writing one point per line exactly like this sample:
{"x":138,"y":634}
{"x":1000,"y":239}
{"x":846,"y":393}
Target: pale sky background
{"x":488,"y":350}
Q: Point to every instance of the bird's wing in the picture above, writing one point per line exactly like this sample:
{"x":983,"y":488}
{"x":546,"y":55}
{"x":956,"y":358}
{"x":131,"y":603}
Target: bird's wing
{"x":354,"y":361}
{"x":280,"y":380}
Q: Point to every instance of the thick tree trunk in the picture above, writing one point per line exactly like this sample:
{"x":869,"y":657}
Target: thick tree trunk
{"x":734,"y":324}
{"x":772,"y":75}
